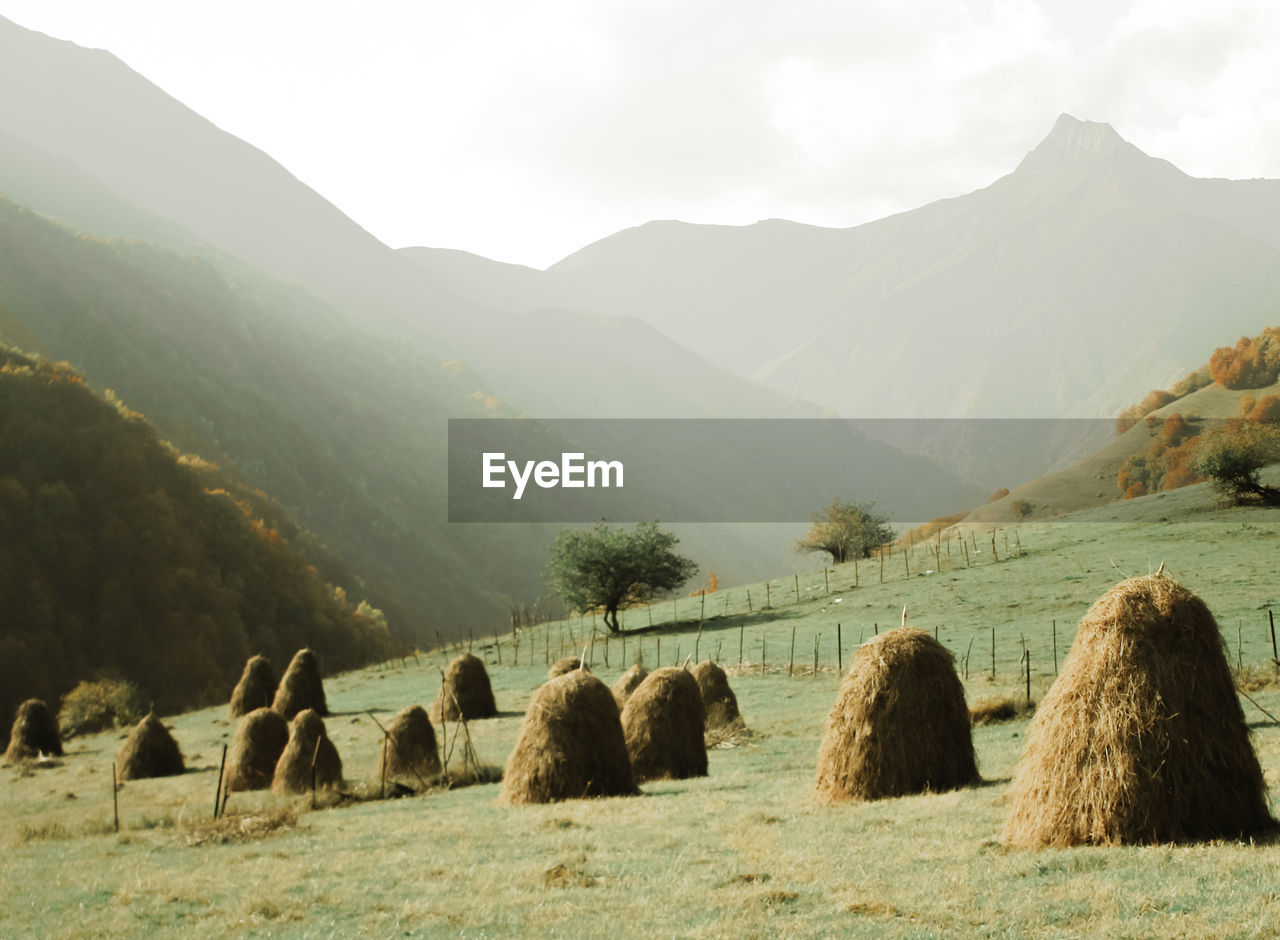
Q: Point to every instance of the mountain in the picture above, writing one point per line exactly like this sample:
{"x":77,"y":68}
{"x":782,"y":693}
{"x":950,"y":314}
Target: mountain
{"x":1067,"y":287}
{"x":120,"y":556}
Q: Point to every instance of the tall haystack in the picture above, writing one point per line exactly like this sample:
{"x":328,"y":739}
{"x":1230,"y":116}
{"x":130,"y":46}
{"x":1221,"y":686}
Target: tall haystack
{"x":408,"y":754}
{"x":664,"y":723}
{"x":627,"y":683}
{"x":301,"y":687}
{"x":1141,"y":739}
{"x":34,"y":733}
{"x":149,"y":751}
{"x":899,"y":724}
{"x":256,"y":688}
{"x":717,"y":698}
{"x":308,"y":743}
{"x":561,"y":666}
{"x":466,"y":687}
{"x":570,"y":745}
{"x":260,"y":739}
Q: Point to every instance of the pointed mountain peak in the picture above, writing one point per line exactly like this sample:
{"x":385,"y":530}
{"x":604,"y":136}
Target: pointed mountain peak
{"x":1073,"y":142}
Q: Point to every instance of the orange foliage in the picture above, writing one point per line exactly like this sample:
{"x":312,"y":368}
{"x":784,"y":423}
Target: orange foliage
{"x":1137,"y":488}
{"x":998,"y":494}
{"x":1266,"y":409}
{"x":1251,"y":363}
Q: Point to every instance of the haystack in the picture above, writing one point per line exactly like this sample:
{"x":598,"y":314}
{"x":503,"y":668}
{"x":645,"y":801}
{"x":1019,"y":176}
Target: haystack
{"x":664,"y":723}
{"x":308,"y":743}
{"x":301,"y":687}
{"x":570,"y":745}
{"x":1141,"y":739}
{"x":408,"y":753}
{"x":627,"y":683}
{"x":260,"y":739}
{"x":466,"y":687}
{"x":561,"y":666}
{"x":899,"y":724}
{"x":717,"y":698}
{"x":34,"y":733}
{"x":256,"y":688}
{"x":149,"y":751}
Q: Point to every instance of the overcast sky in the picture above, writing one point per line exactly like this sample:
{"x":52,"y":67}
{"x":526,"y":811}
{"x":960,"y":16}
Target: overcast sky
{"x":525,"y":130}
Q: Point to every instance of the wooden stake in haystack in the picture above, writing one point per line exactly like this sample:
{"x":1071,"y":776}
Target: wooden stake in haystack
{"x":1141,"y":739}
{"x":900,"y":724}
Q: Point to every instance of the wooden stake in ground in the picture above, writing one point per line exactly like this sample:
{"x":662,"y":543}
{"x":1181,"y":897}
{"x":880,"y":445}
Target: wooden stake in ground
{"x":1027,"y":654}
{"x":1055,"y":648}
{"x":855,"y":571}
{"x":965,"y":546}
{"x":791,"y":664}
{"x":740,"y":629}
{"x":768,"y":596}
{"x":882,"y":566}
{"x":762,"y":657}
{"x":697,"y":643}
{"x":994,"y":556}
{"x":816,"y":638}
{"x":748,"y":600}
{"x":797,"y":577}
{"x":1275,"y":656}
{"x":217,"y":794}
{"x":993,"y":653}
{"x":115,"y":798}
{"x":839,"y":651}
{"x":826,"y":581}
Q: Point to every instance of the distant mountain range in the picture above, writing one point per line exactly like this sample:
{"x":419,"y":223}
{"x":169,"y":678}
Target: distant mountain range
{"x":255,"y":323}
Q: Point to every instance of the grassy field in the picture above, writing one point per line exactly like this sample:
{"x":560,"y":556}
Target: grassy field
{"x":743,"y":852}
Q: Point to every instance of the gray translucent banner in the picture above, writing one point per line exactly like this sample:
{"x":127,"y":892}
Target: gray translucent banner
{"x":713,"y":470}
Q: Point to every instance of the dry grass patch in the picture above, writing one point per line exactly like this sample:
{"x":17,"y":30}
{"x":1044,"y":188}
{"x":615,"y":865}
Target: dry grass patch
{"x":994,"y":711}
{"x":239,"y":827}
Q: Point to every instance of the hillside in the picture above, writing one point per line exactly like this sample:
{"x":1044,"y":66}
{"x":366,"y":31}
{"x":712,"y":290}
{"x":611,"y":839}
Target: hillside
{"x":119,"y":556}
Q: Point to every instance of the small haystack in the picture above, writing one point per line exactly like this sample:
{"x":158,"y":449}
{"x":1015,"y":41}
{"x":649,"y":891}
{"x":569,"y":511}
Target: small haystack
{"x":408,"y":754}
{"x":570,"y":745}
{"x":256,"y":688}
{"x":561,"y":666}
{"x":627,"y":683}
{"x":308,"y":743}
{"x":301,"y":687}
{"x":717,"y":698}
{"x":664,"y":724}
{"x":260,"y":739}
{"x":1141,"y":739}
{"x":466,"y":687}
{"x":899,"y":724}
{"x":34,"y":733}
{"x":149,"y":751}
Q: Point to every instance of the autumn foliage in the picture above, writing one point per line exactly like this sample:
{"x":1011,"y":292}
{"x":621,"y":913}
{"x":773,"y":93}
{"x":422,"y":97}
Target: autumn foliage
{"x":1251,"y":363}
{"x":1166,"y":463}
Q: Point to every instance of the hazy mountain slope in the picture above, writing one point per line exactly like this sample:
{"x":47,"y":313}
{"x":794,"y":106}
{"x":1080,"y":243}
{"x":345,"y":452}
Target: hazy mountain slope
{"x":118,"y":557}
{"x":87,"y":107}
{"x":346,"y":430}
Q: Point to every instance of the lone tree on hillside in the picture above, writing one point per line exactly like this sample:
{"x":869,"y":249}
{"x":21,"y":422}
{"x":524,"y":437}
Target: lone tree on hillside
{"x":846,"y":531}
{"x":604,"y":568}
{"x":1231,"y":455}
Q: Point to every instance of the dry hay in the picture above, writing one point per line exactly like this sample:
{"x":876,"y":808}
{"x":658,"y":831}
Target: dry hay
{"x":301,"y":687}
{"x":308,"y":743}
{"x":408,"y":754}
{"x":1141,"y":739}
{"x":627,"y":683}
{"x":260,"y":739}
{"x":664,"y":724}
{"x":899,"y":724}
{"x":994,"y":711}
{"x":149,"y":751}
{"x":256,"y":688}
{"x":718,"y":700}
{"x":561,"y":666}
{"x":34,"y":733}
{"x":570,"y":745}
{"x":465,"y":692}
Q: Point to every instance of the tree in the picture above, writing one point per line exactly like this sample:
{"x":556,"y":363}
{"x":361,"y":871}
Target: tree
{"x":846,"y":531}
{"x":605,"y":568}
{"x":1233,"y":453}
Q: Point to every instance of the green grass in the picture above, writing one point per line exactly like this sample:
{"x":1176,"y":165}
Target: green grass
{"x":743,"y":852}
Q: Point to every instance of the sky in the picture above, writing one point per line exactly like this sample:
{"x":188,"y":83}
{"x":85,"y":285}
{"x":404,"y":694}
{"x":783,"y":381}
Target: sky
{"x":525,"y":130}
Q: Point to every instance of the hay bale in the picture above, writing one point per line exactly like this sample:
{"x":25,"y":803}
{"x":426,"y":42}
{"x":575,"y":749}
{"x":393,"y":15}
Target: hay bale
{"x":718,"y":700}
{"x":408,"y":753}
{"x":256,"y":688}
{"x":301,"y":687}
{"x":149,"y":751}
{"x":34,"y":733}
{"x":1141,"y":739}
{"x":899,"y":724}
{"x":627,"y":683}
{"x":308,"y":741}
{"x":466,"y":686}
{"x":664,"y":724}
{"x":260,"y":739}
{"x":570,"y":745}
{"x":561,"y":666}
